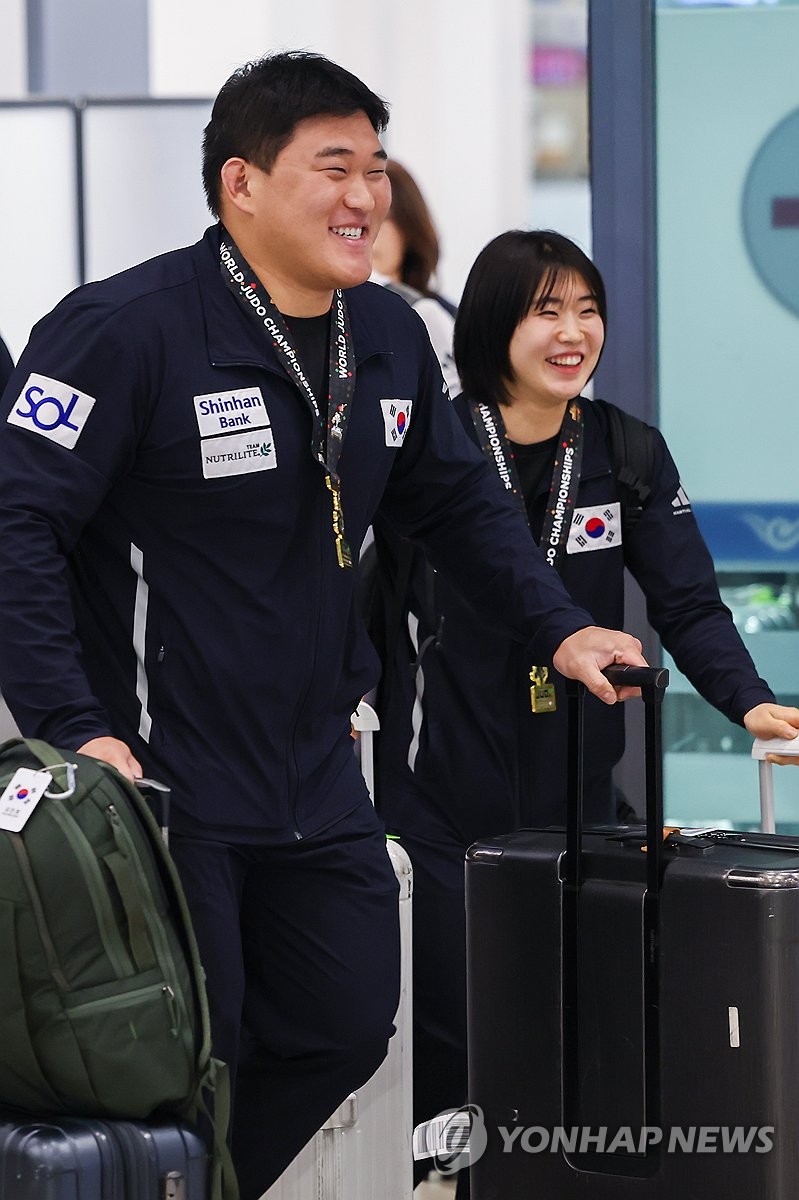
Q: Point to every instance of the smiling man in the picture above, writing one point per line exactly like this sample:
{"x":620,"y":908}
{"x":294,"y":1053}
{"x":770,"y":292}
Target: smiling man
{"x":190,"y":455}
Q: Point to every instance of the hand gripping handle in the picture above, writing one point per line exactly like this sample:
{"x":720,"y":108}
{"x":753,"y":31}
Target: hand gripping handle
{"x":649,"y":679}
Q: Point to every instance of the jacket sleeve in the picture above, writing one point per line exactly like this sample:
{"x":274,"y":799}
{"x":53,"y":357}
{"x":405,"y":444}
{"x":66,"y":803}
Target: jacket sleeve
{"x":668,"y":557}
{"x":443,"y":494}
{"x":68,"y":428}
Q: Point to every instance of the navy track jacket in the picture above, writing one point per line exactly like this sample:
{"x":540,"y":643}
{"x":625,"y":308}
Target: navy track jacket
{"x":167,"y":567}
{"x":461,"y":755}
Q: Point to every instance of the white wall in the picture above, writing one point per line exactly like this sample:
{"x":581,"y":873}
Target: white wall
{"x":454,"y":72}
{"x":13,"y":50}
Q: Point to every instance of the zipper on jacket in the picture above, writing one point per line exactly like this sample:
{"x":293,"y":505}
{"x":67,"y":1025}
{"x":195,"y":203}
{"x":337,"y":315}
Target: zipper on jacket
{"x":295,"y":790}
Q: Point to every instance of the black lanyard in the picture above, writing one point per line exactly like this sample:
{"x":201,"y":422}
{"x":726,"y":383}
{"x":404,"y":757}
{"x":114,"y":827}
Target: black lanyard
{"x":327,"y":437}
{"x":496,"y":446}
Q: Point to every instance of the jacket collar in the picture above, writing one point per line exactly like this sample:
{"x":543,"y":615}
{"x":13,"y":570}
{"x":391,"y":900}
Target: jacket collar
{"x":234,"y":339}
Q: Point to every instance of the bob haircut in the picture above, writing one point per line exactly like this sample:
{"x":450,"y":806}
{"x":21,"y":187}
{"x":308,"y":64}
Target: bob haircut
{"x":412,"y":217}
{"x":259,"y":107}
{"x":503,"y":283}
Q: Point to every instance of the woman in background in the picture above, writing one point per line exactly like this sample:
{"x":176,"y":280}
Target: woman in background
{"x":405,"y":258}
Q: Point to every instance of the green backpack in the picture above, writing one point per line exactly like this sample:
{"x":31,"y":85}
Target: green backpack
{"x":103,"y":1009}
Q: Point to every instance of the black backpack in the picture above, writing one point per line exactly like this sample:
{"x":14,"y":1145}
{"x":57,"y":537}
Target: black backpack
{"x":632,"y":456}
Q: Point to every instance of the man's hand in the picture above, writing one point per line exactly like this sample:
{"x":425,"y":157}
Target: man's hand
{"x":775,"y":720}
{"x":584,"y":654}
{"x":115,"y":752}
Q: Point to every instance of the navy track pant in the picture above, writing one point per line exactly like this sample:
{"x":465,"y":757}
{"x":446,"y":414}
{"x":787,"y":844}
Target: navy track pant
{"x":300,"y":945}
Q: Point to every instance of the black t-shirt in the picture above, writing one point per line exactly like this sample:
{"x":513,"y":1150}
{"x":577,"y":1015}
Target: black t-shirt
{"x":311,"y":339}
{"x":534,"y":465}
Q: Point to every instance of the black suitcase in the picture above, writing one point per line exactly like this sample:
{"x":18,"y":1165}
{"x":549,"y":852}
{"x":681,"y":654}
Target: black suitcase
{"x":633,"y":1005}
{"x":76,"y":1158}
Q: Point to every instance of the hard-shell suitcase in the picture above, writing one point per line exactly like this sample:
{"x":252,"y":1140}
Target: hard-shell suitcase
{"x":363,"y":1151}
{"x":71,"y":1158}
{"x":633,"y":1006}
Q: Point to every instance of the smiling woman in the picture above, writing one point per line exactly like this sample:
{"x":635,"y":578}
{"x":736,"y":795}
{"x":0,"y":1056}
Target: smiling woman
{"x":553,"y":353}
{"x":473,"y":731}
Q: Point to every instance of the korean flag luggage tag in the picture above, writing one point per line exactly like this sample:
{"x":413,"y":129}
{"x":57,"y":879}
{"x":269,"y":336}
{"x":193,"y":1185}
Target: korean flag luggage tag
{"x":21,"y":796}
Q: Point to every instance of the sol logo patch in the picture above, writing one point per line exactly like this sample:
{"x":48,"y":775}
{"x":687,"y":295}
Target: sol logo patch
{"x":596,"y":528}
{"x":396,"y":418}
{"x":51,"y":408}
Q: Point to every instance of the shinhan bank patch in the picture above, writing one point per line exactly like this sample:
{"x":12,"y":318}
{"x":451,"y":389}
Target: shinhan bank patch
{"x":226,"y":412}
{"x":238,"y":454}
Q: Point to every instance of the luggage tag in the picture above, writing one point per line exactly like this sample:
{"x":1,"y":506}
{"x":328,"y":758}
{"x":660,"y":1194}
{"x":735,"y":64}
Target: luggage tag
{"x":23,"y":793}
{"x":542,"y":694}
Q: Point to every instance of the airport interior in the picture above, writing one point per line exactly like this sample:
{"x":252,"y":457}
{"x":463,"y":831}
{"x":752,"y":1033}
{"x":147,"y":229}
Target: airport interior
{"x":662,"y":136}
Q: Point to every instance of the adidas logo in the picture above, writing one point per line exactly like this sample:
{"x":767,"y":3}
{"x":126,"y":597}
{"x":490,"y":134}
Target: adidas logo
{"x":681,"y":503}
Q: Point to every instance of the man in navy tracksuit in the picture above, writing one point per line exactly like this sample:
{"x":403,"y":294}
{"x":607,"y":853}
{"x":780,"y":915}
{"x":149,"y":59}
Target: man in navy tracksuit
{"x":190,"y":455}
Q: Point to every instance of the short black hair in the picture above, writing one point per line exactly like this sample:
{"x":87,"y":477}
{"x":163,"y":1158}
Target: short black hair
{"x":502,"y":285}
{"x":259,"y":107}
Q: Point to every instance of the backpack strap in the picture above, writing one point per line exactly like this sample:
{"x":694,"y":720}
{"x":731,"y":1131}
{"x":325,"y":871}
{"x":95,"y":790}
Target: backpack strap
{"x":632,"y":457}
{"x":409,"y":294}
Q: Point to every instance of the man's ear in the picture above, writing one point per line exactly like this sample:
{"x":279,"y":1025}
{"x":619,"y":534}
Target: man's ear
{"x":235,"y":183}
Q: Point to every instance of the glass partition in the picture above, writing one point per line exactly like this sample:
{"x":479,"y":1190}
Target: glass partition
{"x":143,"y":187}
{"x":92,"y":187}
{"x":39,"y":213}
{"x":727,"y":132}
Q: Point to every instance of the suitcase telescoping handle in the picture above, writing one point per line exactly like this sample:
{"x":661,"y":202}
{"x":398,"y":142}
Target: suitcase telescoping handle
{"x":760,"y":749}
{"x":653,"y":682}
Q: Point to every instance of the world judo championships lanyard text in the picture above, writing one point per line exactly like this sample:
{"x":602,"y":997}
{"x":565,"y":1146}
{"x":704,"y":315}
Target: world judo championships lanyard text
{"x":327,"y":438}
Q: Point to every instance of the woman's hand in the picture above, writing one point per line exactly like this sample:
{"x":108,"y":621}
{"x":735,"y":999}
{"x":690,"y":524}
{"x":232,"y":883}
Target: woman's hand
{"x":775,"y":721}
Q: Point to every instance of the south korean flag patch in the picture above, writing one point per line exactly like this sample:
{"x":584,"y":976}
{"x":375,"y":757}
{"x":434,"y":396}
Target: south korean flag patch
{"x":596,"y":528}
{"x":396,"y":418}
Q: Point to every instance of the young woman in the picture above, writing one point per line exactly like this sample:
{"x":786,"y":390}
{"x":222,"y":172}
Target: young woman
{"x":405,"y":258}
{"x":473,"y":738}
